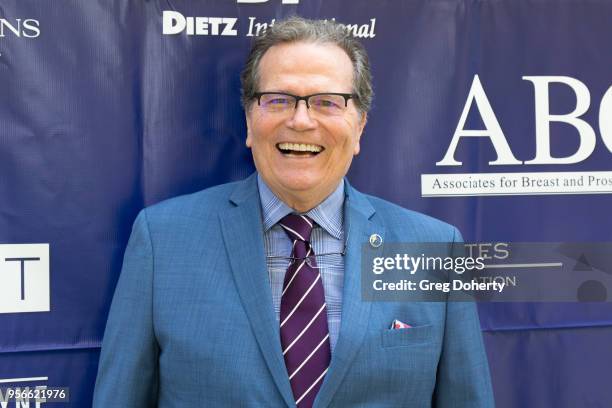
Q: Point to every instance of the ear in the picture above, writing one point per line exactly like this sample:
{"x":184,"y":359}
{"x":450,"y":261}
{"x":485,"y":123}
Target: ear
{"x":249,"y":138}
{"x":362,"y":122}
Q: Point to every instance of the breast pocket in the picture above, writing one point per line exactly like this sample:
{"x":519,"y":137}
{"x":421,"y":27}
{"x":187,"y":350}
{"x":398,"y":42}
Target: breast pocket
{"x":412,"y":336}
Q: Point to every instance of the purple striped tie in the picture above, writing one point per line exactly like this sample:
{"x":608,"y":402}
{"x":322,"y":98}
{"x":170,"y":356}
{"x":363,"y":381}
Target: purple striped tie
{"x":303,"y":316}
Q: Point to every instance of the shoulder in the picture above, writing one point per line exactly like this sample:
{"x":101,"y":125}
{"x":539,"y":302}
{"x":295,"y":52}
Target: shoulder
{"x":408,"y":225}
{"x":191,"y":215}
{"x":210,"y":200}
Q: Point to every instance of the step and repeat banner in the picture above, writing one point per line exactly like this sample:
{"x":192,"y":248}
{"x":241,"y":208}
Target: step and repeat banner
{"x":495,"y":116}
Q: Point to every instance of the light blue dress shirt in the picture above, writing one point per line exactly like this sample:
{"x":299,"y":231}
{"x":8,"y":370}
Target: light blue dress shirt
{"x":327,"y":237}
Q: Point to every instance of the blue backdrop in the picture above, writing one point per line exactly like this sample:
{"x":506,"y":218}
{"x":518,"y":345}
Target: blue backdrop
{"x":101,"y":114}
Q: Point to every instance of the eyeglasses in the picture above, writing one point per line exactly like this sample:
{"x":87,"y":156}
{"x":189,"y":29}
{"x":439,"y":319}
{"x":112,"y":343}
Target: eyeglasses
{"x":330,"y":103}
{"x":327,"y":260}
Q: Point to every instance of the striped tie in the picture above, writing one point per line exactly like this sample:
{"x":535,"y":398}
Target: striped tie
{"x":303,"y":316}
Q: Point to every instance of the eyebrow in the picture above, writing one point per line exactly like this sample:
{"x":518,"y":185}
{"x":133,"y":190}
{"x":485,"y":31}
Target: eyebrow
{"x":280,"y":91}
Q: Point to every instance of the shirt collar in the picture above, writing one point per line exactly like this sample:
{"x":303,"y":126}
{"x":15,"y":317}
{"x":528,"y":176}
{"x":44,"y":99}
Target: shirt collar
{"x":328,"y":214}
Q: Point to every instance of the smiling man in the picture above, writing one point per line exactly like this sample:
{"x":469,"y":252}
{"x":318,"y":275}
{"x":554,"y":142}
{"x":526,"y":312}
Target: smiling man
{"x":248,"y":294}
{"x":303,"y":148}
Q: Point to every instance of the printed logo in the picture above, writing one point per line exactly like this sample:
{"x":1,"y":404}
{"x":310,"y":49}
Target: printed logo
{"x":27,"y":28}
{"x":24,"y":278}
{"x":544,"y":118}
{"x":532,"y":183}
{"x":175,"y":23}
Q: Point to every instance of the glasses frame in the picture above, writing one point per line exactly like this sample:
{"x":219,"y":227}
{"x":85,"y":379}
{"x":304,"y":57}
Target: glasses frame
{"x":293,"y":259}
{"x":346,"y":96}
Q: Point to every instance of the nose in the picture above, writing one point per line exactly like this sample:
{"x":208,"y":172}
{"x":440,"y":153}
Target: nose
{"x":301,"y":120}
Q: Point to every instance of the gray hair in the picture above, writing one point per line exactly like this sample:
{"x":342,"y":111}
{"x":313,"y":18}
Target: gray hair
{"x":295,"y":29}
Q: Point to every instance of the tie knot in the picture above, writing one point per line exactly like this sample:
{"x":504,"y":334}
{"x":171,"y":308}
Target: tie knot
{"x":297,"y":227}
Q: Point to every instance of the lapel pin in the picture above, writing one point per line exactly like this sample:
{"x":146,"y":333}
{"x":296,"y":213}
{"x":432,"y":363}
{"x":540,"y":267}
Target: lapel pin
{"x":375,"y":240}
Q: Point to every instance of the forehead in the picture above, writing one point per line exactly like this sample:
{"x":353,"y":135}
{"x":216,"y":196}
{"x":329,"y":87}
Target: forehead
{"x":305,"y":67}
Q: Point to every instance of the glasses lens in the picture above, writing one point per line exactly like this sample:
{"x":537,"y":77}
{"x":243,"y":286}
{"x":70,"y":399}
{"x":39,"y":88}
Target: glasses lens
{"x":327,"y":104}
{"x":276,"y":102}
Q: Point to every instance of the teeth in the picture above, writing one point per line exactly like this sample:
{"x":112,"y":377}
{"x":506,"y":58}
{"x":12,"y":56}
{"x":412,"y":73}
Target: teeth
{"x":300,"y":147}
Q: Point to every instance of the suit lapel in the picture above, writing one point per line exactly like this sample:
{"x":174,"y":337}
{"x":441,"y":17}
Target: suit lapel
{"x":355,"y":312}
{"x":243,"y":237}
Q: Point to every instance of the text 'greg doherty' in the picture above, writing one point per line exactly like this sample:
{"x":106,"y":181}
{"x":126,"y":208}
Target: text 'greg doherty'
{"x":426,"y":285}
{"x":412,"y":264}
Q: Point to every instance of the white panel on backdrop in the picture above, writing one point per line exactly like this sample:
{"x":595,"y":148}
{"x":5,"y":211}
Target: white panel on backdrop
{"x":24,"y":278}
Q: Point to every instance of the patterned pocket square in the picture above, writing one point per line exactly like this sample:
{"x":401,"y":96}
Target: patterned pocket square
{"x":397,"y":324}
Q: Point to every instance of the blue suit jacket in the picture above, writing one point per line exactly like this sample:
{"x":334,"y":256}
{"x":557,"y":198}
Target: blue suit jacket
{"x":192,"y":322}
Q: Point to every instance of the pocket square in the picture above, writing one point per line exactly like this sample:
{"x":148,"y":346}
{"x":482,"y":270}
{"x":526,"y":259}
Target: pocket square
{"x":397,"y":324}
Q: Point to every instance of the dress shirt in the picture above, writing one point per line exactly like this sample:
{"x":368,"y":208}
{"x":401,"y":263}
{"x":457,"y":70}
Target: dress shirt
{"x":327,"y":237}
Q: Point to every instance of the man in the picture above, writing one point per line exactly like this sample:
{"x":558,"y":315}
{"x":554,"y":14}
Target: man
{"x":248,"y":294}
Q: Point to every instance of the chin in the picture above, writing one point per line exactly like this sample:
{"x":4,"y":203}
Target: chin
{"x":300,"y":185}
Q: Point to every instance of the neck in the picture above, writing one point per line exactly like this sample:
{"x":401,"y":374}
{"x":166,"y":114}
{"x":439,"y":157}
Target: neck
{"x":301,"y":201}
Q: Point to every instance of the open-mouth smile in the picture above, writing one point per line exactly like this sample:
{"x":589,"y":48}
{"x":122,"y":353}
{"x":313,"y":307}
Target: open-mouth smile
{"x":299,"y":149}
